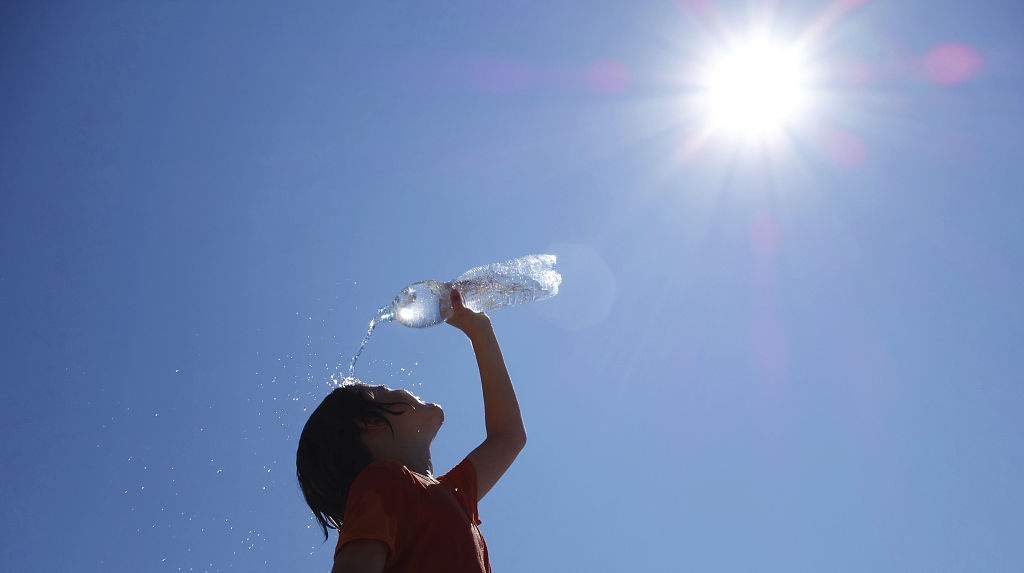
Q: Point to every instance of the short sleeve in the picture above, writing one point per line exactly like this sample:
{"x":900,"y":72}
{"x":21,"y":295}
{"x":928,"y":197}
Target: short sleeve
{"x":461,"y":480}
{"x":374,"y":504}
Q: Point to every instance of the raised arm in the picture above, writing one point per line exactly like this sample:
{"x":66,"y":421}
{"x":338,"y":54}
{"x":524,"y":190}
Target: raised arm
{"x":506,"y":435}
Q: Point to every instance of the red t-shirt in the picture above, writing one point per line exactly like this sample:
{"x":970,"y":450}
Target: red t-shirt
{"x":428,"y":524}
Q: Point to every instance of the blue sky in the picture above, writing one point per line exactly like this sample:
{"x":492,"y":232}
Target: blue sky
{"x":799,"y":355}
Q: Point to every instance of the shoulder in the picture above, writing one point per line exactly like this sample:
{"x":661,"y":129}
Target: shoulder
{"x":462,"y":482}
{"x":378,"y":495}
{"x":463,"y":472}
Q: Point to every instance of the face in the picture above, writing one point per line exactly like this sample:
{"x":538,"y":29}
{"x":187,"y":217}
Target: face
{"x":417,"y":417}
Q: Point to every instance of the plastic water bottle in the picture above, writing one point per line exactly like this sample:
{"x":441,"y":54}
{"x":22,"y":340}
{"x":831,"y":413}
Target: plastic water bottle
{"x":526,"y":279}
{"x":427,"y":303}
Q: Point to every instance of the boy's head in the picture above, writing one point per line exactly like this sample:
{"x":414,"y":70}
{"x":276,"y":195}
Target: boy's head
{"x":354,"y":425}
{"x":409,"y":425}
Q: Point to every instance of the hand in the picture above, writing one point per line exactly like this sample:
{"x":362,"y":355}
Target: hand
{"x":464,"y":319}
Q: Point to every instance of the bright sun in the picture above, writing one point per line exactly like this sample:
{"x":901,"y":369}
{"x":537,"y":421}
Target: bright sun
{"x":755,"y":90}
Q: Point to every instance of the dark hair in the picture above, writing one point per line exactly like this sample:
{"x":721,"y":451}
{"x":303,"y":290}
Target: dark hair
{"x":331,"y":453}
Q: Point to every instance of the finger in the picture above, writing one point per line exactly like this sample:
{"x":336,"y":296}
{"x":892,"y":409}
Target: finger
{"x":456,"y":299}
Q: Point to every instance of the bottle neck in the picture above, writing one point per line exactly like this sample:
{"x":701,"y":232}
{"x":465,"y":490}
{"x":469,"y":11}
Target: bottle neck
{"x":384,"y":315}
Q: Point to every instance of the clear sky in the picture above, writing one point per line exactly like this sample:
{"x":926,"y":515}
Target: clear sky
{"x":789,"y":343}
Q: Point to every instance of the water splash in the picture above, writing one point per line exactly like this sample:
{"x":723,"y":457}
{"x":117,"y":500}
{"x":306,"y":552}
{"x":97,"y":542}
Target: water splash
{"x":383,"y":315}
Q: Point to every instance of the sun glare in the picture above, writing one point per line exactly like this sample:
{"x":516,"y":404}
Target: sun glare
{"x":755,"y":90}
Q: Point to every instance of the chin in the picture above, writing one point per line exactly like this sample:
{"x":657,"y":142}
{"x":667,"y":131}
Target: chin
{"x":439,"y":410}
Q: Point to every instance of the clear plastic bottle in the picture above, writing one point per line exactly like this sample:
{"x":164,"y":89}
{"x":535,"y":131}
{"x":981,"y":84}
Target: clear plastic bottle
{"x":526,"y":279}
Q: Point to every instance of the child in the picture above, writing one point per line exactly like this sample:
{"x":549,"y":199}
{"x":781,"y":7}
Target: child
{"x":364,"y":467}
